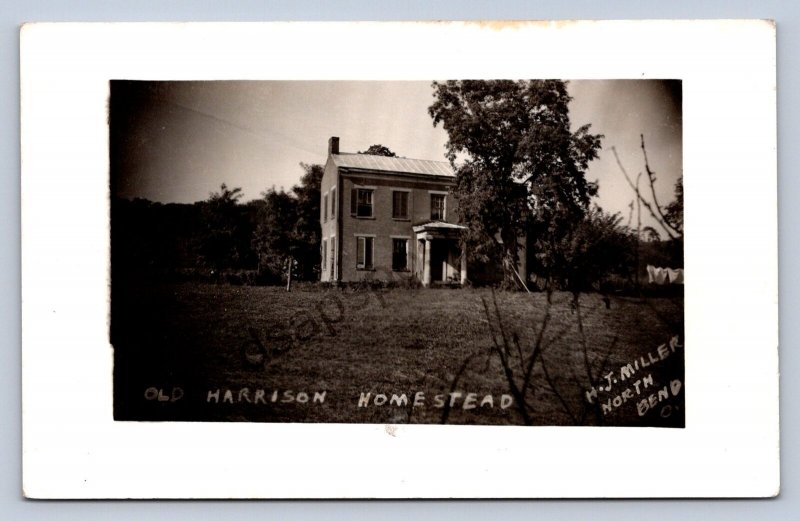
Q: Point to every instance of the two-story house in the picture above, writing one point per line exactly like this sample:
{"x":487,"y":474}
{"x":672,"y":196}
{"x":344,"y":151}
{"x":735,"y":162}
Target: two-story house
{"x":389,"y":218}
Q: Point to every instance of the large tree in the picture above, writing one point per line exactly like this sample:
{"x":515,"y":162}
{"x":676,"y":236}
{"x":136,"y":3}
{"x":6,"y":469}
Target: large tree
{"x":308,"y":232}
{"x":519,"y":166}
{"x":221,"y":240}
{"x":378,"y":150}
{"x":287,"y":236}
{"x":275,"y":239}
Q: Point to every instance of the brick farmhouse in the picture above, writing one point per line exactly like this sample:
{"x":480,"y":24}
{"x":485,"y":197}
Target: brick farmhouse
{"x":390,"y":218}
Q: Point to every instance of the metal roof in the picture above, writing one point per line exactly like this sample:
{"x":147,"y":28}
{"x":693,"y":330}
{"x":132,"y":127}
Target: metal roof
{"x":393,"y":164}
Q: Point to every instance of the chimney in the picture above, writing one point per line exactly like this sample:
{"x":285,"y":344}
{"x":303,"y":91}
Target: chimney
{"x":333,"y":145}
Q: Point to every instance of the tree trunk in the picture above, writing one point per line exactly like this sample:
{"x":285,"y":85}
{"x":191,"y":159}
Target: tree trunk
{"x":289,"y":274}
{"x":509,"y":247}
{"x":510,"y":266}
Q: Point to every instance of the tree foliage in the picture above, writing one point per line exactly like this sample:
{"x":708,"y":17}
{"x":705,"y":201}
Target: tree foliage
{"x":597,"y":246}
{"x":307,"y":228}
{"x":275,"y":240}
{"x":673,"y":213}
{"x":287,"y":235}
{"x":650,"y":234}
{"x":519,"y":166}
{"x":220,"y":238}
{"x":224,"y":241}
{"x":379,"y":150}
{"x":155,"y":240}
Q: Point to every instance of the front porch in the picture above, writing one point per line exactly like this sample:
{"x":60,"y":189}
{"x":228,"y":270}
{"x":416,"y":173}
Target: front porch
{"x":439,"y":256}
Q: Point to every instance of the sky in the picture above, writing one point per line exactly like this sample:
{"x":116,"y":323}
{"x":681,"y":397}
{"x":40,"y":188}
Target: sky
{"x":178,"y":141}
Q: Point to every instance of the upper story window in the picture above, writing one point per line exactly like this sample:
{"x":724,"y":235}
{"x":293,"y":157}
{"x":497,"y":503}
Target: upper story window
{"x":325,"y":208}
{"x":438,"y":207}
{"x":361,"y":202}
{"x":399,"y":205}
{"x":333,"y":203}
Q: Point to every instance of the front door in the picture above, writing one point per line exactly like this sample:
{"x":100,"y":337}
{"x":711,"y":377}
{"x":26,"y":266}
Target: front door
{"x":438,"y":260}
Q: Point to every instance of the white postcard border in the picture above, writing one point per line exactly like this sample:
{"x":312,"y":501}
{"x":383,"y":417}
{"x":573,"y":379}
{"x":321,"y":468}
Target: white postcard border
{"x":74,"y":449}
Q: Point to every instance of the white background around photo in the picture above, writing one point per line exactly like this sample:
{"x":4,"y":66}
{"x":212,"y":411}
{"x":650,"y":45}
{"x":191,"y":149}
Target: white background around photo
{"x":72,"y":447}
{"x":732,"y":407}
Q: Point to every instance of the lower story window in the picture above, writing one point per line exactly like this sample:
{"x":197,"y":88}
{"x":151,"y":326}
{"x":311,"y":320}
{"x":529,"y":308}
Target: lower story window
{"x":399,"y":254}
{"x":364,"y":253}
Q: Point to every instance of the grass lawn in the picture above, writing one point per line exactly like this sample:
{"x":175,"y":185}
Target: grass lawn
{"x":201,"y":352}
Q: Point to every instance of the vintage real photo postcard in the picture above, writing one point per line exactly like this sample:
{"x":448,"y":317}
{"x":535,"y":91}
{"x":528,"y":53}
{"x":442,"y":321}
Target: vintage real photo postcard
{"x":526,"y":282}
{"x":475,"y":255}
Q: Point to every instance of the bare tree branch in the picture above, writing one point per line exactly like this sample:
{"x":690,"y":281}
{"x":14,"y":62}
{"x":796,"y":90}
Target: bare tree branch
{"x":454,"y":384}
{"x":644,"y":201}
{"x":553,"y":388}
{"x":582,"y":333}
{"x":652,"y":177}
{"x":537,"y":349}
{"x":519,"y":396}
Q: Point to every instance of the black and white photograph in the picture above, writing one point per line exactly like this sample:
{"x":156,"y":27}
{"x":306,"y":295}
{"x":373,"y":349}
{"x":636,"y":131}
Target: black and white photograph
{"x":473,"y":252}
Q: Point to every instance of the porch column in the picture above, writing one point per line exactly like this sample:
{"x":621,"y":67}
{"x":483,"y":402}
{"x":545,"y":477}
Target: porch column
{"x":463,"y":265}
{"x":426,"y":264}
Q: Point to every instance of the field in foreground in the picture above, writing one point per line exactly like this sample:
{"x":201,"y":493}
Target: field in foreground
{"x":197,"y":352}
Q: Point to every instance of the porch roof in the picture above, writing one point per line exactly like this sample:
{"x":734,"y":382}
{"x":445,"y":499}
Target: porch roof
{"x":438,"y":226}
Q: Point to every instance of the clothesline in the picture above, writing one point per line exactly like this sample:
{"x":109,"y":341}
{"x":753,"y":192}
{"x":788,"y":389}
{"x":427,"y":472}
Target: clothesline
{"x":664,"y":275}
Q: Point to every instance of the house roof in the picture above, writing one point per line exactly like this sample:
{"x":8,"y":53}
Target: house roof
{"x":393,"y":164}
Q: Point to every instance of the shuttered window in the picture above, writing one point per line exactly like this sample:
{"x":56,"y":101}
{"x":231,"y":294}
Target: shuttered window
{"x":400,"y":205}
{"x":364,"y":253}
{"x":333,"y":257}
